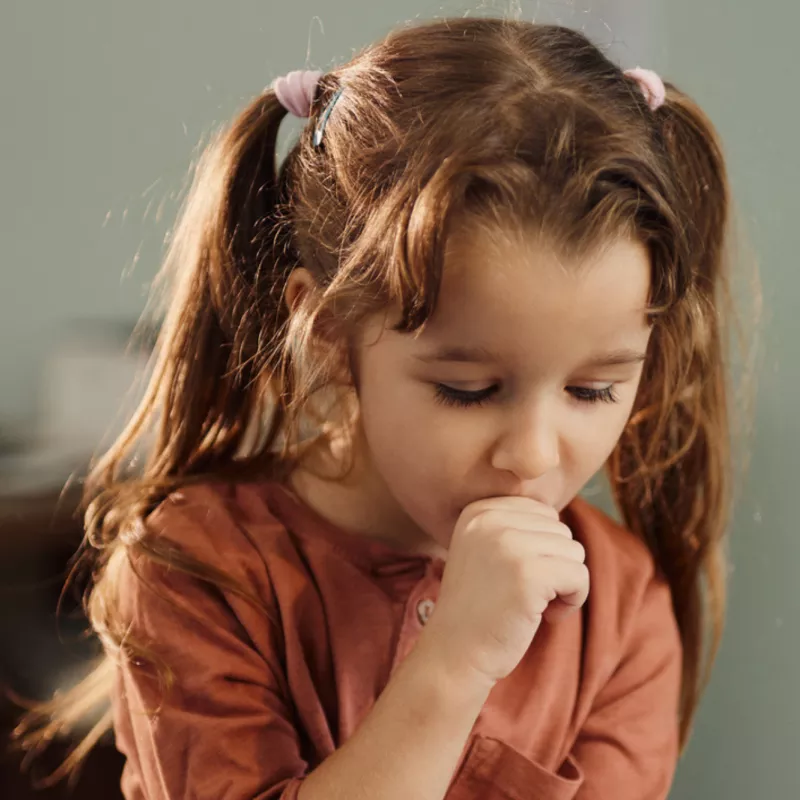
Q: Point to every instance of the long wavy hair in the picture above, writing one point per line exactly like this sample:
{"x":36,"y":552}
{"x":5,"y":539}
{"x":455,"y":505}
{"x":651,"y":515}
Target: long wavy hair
{"x":517,"y":123}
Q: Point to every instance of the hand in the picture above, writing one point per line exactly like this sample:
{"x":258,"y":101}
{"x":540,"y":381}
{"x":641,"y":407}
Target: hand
{"x":511,"y":562}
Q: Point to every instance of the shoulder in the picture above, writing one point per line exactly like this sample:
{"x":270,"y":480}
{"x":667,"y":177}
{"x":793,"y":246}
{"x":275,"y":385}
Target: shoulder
{"x":229,"y":525}
{"x":205,"y":540}
{"x":621,"y":556}
{"x":194,"y":592}
{"x":200,"y":575}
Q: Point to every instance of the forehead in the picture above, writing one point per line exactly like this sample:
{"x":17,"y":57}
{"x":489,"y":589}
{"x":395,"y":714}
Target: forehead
{"x":516,"y":295}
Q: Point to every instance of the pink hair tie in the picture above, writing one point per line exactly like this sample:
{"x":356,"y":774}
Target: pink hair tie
{"x":295,"y":91}
{"x":651,"y":85}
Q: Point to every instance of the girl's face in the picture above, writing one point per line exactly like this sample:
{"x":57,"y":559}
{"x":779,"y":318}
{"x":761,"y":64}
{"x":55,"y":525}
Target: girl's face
{"x":521,"y":383}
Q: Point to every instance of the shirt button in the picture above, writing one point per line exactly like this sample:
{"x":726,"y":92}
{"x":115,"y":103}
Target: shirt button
{"x":424,"y":610}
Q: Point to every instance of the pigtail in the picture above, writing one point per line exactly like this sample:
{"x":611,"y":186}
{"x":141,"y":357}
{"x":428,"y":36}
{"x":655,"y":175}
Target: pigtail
{"x":212,"y":370}
{"x":230,"y":271}
{"x":671,"y":471}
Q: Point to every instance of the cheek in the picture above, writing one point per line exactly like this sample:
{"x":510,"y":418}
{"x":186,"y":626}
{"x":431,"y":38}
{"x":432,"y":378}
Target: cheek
{"x":420,"y":462}
{"x":593,"y":437}
{"x":407,"y":429}
{"x":422,"y":449}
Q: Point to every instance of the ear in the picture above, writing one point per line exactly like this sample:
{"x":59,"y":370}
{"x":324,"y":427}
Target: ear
{"x":299,"y":286}
{"x":299,"y":283}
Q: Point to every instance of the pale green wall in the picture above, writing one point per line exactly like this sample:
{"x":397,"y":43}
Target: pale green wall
{"x":740,"y":61}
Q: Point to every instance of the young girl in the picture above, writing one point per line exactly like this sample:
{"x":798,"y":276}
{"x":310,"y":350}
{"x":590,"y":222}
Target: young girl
{"x":355,"y":563}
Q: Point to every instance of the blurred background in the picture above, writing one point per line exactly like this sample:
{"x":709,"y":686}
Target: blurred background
{"x":104,"y":107}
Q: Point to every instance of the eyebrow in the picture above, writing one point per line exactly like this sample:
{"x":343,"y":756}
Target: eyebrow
{"x":481,"y":355}
{"x":617,"y":358}
{"x":459,"y":353}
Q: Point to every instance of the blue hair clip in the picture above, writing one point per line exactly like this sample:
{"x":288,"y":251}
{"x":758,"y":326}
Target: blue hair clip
{"x":323,"y":120}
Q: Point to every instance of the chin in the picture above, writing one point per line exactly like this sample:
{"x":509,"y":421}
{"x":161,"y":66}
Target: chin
{"x":441,"y":527}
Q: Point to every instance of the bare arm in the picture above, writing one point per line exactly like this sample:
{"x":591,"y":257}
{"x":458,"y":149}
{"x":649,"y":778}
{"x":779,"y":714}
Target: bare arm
{"x":411,"y":741}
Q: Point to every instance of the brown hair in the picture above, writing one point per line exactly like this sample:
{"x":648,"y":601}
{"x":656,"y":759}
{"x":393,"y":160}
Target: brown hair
{"x":517,"y":123}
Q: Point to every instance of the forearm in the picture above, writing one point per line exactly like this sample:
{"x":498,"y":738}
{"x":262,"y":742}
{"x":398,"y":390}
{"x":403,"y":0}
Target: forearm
{"x":410,"y":742}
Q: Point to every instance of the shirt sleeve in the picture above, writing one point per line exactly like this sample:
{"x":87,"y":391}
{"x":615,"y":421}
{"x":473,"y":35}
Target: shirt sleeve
{"x":222,"y":728}
{"x":628,"y":747}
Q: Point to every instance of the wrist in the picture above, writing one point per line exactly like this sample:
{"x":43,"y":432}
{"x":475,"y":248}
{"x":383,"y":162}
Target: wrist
{"x":459,"y":676}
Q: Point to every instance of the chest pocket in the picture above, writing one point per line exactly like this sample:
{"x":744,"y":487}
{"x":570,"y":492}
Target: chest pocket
{"x":492,"y":770}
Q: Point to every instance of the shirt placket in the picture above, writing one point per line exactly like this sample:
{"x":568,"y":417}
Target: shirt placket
{"x":418,"y":609}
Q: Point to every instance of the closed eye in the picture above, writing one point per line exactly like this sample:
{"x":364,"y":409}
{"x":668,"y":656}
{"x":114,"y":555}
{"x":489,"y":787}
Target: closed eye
{"x":586,"y":395}
{"x":460,"y":397}
{"x":463,"y":398}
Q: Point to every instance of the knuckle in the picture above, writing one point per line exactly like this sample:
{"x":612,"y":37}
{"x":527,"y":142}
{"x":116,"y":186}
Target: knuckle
{"x":534,"y":573}
{"x":564,"y":530}
{"x":506,"y":546}
{"x":580,"y":551}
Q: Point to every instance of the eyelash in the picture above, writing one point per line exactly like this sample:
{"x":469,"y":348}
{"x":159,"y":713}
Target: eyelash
{"x":449,"y":396}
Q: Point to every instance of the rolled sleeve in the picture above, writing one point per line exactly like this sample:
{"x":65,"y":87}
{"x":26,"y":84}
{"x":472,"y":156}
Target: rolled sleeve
{"x":493,"y":770}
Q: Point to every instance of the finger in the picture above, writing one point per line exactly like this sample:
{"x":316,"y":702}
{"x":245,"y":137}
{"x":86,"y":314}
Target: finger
{"x":493,"y":520}
{"x":568,"y":579}
{"x":534,"y":544}
{"x":526,"y":522}
{"x":558,"y":610}
{"x":513,"y":503}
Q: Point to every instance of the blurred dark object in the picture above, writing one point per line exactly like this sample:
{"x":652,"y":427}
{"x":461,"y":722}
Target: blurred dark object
{"x":90,"y":381}
{"x":41,"y":652}
{"x":10,"y":445}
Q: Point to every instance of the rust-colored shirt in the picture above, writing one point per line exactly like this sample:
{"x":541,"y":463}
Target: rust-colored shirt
{"x":265,"y":692}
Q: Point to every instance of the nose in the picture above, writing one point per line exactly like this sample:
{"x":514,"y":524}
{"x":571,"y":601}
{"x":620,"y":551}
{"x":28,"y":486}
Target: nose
{"x":529,"y":446}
